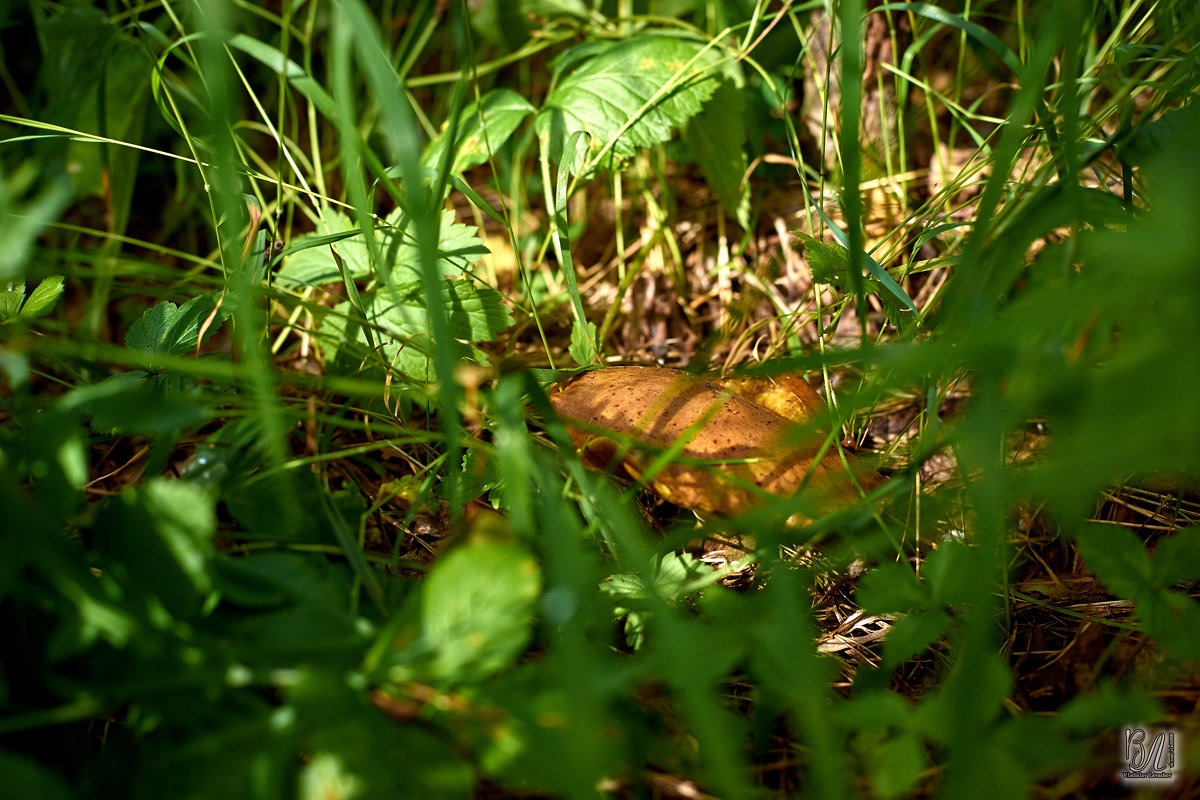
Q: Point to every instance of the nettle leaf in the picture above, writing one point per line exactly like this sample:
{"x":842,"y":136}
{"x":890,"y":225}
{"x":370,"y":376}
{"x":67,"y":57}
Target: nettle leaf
{"x":170,"y":330}
{"x":477,"y":609}
{"x":616,"y":93}
{"x":831,"y":265}
{"x":484,"y":127}
{"x":459,"y":247}
{"x":829,"y":262}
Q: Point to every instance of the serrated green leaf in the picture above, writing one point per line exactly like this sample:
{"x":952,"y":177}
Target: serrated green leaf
{"x":170,"y":330}
{"x":312,"y":264}
{"x":671,"y":574}
{"x":477,"y":609}
{"x":616,"y":95}
{"x":476,"y":313}
{"x":43,"y":297}
{"x":501,"y":110}
{"x":152,"y":329}
{"x":717,"y":138}
{"x":1119,"y":560}
{"x":829,"y":262}
{"x":583,"y":348}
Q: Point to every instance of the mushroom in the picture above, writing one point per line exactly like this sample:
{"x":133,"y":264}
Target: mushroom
{"x":741,"y":439}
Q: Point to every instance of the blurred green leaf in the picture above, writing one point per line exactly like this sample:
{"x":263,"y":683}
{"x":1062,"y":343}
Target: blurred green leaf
{"x":910,"y":635}
{"x":24,"y":212}
{"x":1177,"y":558}
{"x":1118,"y":558}
{"x":157,"y":543}
{"x":897,"y":764}
{"x":477,"y":609}
{"x":25,"y":777}
{"x":133,"y":402}
{"x":889,"y":588}
{"x":1172,"y":618}
{"x":950,"y":571}
{"x":11,"y":300}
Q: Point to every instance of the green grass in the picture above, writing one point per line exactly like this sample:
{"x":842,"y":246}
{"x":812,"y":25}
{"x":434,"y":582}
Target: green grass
{"x":300,"y":519}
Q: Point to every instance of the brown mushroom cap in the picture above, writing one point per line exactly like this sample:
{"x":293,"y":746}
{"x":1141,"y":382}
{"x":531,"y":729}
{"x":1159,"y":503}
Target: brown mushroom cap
{"x":744,"y":422}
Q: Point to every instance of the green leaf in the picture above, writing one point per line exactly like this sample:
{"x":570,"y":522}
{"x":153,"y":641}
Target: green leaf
{"x":950,"y":572}
{"x":1177,"y":558}
{"x":22,"y":222}
{"x":717,"y":138}
{"x":477,"y":313}
{"x":829,"y":262}
{"x":583,"y":348}
{"x":1119,"y":560}
{"x":43,"y":297}
{"x":168,"y":330}
{"x":10,"y":301}
{"x":897,"y":764}
{"x":25,"y":777}
{"x":889,"y":588}
{"x":484,"y":128}
{"x":477,"y":609}
{"x":1172,"y":618}
{"x":157,"y":543}
{"x":129,"y":403}
{"x":912,"y":634}
{"x":312,"y":264}
{"x":628,"y":95}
